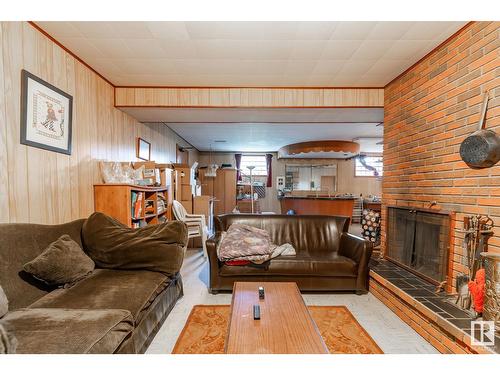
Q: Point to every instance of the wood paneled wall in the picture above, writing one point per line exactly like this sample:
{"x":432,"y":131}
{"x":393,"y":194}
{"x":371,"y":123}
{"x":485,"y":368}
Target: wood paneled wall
{"x":248,"y":97}
{"x":46,"y":187}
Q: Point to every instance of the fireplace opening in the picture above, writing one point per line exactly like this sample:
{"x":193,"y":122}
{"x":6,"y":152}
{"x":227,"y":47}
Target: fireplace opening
{"x":419,"y":241}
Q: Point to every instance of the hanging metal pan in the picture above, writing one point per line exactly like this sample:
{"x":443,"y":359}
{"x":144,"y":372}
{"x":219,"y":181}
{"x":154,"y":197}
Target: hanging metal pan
{"x":481,"y":149}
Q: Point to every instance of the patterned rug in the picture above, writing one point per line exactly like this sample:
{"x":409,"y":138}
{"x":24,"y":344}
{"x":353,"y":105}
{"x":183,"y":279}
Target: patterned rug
{"x":206,"y":327}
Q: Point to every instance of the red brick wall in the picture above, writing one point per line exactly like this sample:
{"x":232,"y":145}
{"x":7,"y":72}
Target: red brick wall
{"x":429,"y":111}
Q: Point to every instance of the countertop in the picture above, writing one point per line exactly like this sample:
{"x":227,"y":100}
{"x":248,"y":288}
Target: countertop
{"x":322,"y":198}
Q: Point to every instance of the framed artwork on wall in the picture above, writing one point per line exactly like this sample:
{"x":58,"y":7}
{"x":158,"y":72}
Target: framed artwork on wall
{"x":143,"y":149}
{"x":46,"y":115}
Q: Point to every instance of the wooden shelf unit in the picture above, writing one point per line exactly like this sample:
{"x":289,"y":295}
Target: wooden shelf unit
{"x":222,"y":188}
{"x":115,"y":200}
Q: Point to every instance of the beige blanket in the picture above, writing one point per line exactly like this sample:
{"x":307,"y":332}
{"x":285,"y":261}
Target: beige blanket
{"x":244,"y":242}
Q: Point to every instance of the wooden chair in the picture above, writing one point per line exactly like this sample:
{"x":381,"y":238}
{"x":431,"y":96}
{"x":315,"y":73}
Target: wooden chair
{"x":197,"y":227}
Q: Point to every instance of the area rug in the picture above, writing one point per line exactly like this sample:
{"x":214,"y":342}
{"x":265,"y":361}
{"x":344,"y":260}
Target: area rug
{"x":206,"y":327}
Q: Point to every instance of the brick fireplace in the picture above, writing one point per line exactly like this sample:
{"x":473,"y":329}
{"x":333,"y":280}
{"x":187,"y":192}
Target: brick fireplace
{"x":429,"y":110}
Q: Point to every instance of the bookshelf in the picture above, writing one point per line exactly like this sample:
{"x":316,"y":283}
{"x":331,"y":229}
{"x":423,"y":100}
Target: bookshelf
{"x":134,"y":206}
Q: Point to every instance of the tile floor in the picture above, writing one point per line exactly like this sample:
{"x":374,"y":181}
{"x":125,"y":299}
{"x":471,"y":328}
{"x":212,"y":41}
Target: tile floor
{"x":390,"y":332}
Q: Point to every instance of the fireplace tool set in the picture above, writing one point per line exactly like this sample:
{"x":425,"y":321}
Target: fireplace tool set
{"x":477,"y":230}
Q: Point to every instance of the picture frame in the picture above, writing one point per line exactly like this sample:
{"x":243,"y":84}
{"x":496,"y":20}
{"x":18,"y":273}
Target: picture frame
{"x":46,"y":115}
{"x":143,"y":149}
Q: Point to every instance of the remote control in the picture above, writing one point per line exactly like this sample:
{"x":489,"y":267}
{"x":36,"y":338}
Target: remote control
{"x":261,"y":292}
{"x":256,"y":312}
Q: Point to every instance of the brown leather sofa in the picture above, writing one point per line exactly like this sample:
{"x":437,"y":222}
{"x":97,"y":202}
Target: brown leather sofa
{"x":328,"y":258}
{"x":110,"y":311}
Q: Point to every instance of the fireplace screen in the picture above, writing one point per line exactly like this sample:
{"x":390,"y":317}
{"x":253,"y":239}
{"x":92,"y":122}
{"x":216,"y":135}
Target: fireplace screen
{"x":419,"y":241}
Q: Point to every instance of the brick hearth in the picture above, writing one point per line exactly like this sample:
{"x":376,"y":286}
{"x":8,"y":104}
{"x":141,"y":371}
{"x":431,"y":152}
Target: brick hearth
{"x":416,"y":302}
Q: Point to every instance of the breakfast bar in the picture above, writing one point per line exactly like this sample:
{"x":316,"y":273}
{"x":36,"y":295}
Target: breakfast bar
{"x":318,"y":205}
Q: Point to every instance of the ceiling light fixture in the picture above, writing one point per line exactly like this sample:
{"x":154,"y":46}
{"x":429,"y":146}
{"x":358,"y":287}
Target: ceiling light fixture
{"x":331,"y":149}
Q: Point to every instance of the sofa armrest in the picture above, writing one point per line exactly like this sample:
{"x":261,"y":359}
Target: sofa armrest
{"x":359,"y":250}
{"x":354,"y":247}
{"x":212,"y":244}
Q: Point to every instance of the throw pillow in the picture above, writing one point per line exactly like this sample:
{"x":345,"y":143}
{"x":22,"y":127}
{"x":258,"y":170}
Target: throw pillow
{"x":4,"y":303}
{"x":62,"y":262}
{"x":113,"y":245}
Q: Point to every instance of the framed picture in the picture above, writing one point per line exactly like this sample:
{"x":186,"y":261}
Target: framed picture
{"x":46,"y":115}
{"x":143,"y":149}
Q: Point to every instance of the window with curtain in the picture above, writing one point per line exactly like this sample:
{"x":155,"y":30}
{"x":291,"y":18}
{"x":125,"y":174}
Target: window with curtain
{"x":259,"y":161}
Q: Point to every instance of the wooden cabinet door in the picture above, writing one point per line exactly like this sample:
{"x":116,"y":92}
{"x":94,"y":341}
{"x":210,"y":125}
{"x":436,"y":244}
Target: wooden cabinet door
{"x":219,"y":193}
{"x":229,"y":190}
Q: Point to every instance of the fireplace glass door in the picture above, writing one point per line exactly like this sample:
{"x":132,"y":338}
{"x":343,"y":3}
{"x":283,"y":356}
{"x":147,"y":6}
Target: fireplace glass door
{"x":419,"y":240}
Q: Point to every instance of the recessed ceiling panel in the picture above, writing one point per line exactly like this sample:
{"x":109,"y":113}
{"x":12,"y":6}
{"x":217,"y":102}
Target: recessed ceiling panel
{"x":260,"y":137}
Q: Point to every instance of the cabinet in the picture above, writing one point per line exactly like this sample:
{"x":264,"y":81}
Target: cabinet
{"x":222,"y":187}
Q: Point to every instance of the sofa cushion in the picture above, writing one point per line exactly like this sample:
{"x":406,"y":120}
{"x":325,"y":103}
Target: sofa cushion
{"x":62,"y":262}
{"x":113,"y":245}
{"x":109,"y":289}
{"x":69,"y":331}
{"x":301,"y":265}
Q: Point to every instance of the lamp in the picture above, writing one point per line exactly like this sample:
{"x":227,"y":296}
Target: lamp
{"x":251,"y":168}
{"x":212,"y":167}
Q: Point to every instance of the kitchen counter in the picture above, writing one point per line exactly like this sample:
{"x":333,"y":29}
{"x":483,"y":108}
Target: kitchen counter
{"x":319,"y":197}
{"x":311,"y":205}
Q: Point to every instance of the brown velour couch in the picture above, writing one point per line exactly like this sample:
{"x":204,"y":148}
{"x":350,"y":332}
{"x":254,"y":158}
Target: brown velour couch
{"x":328,"y":258}
{"x":110,"y":311}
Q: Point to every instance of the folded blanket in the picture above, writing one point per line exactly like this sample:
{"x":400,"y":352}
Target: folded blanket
{"x":246,"y":243}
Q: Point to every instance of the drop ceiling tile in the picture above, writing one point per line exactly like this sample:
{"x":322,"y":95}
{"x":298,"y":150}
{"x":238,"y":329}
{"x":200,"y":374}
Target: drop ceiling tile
{"x":82,"y":47}
{"x":140,"y":66}
{"x":178,"y":49}
{"x":373,"y":80}
{"x":307,"y":49}
{"x":340,"y":49}
{"x":356,"y":68}
{"x":242,"y":30}
{"x":389,"y":68}
{"x":243,"y":49}
{"x":62,"y":29}
{"x":175,"y":30}
{"x":331,"y":67}
{"x":302,"y":67}
{"x":391,"y":30}
{"x":146,"y":48}
{"x":407,"y":49}
{"x":451,"y":29}
{"x":372,"y":49}
{"x":131,"y":29}
{"x":315,"y":30}
{"x":107,"y":67}
{"x":112,"y":48}
{"x":96,"y":29}
{"x":430,"y":30}
{"x":353,"y":30}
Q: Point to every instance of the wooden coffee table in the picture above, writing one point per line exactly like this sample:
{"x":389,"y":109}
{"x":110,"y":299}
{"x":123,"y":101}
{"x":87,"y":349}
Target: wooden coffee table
{"x":285,"y":325}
